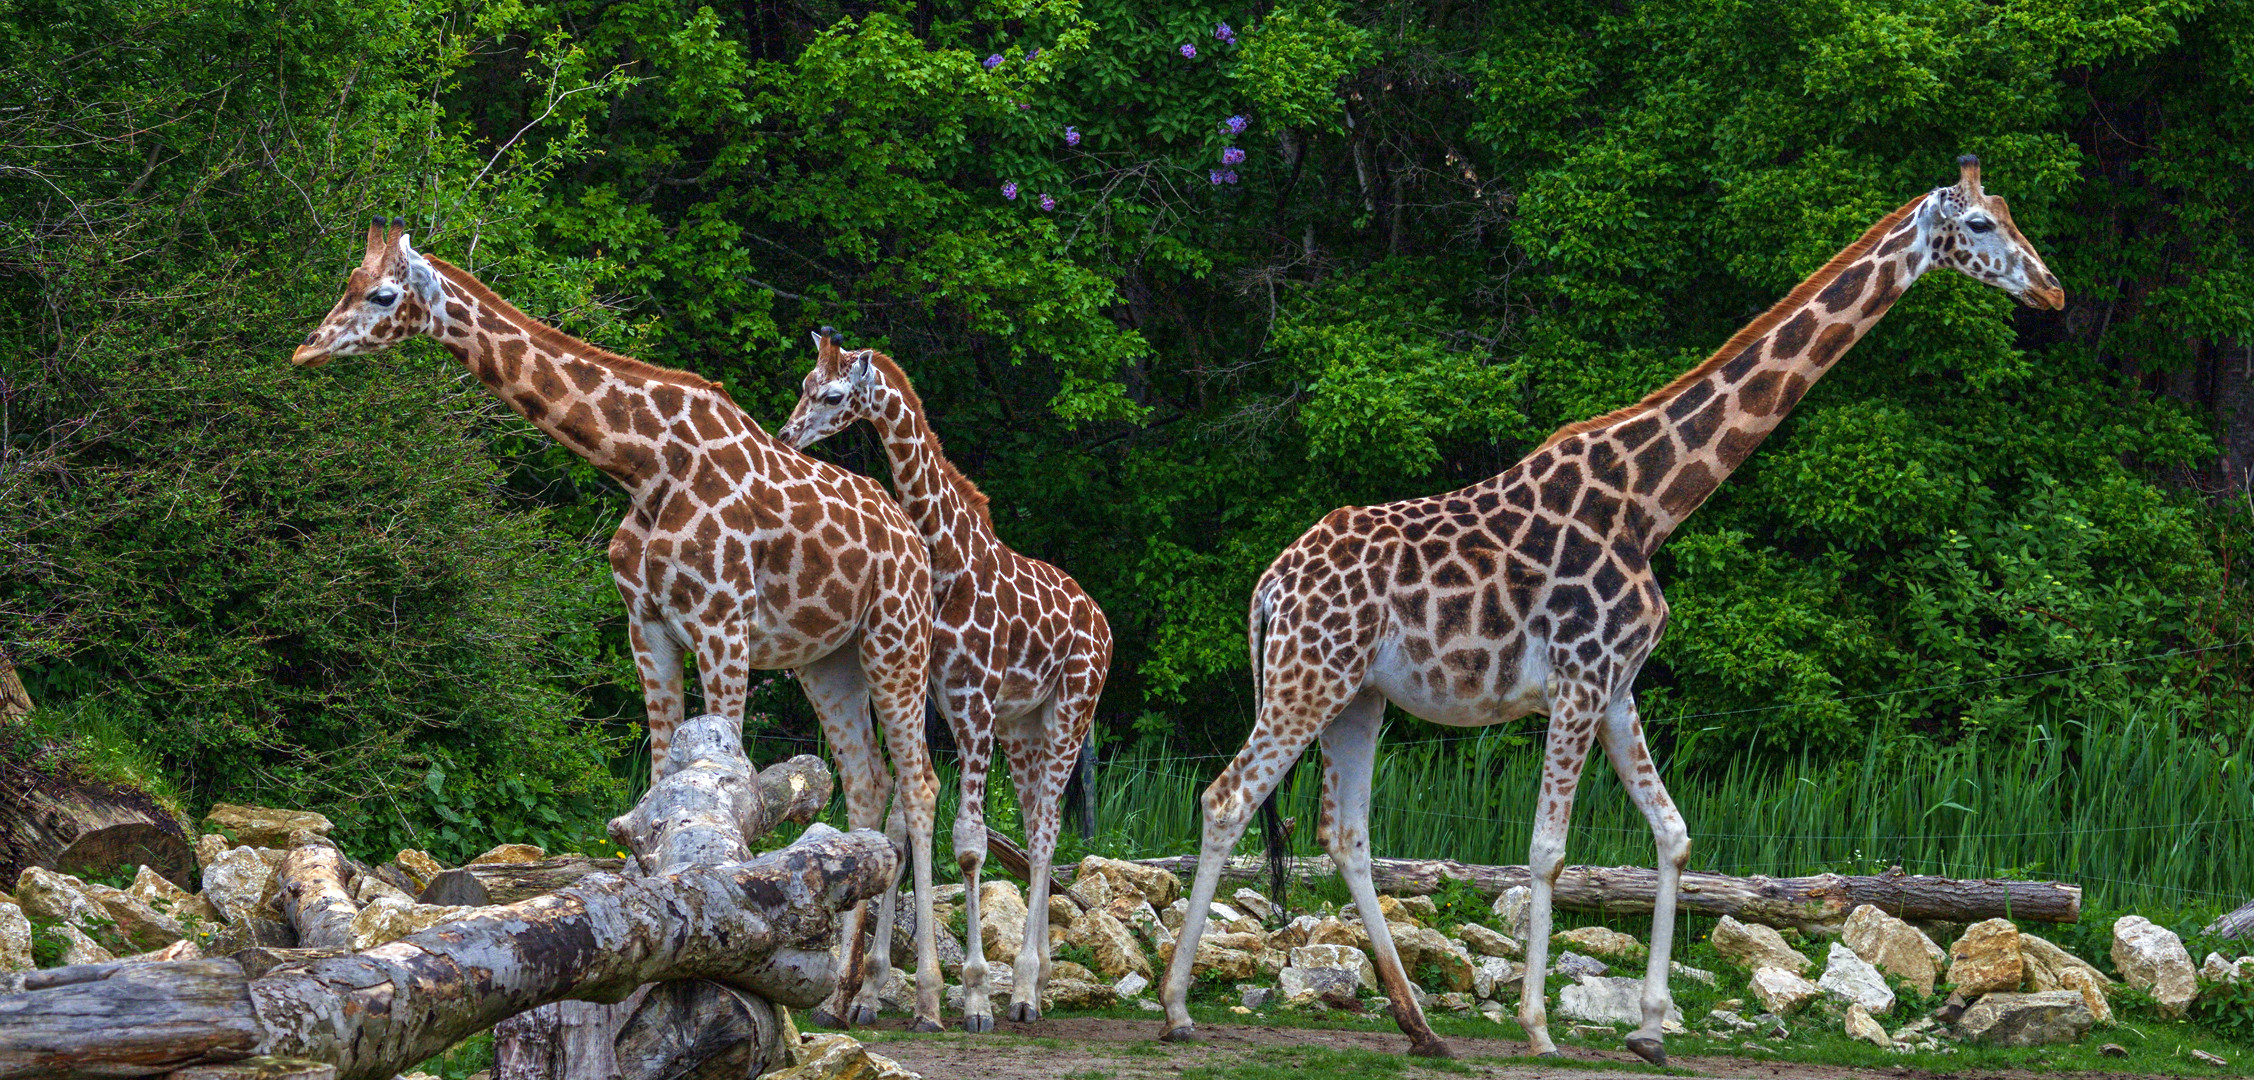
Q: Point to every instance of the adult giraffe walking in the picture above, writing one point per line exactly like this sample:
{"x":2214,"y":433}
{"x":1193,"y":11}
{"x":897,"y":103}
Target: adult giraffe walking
{"x":1533,"y":592}
{"x":1018,"y":650}
{"x":739,"y":551}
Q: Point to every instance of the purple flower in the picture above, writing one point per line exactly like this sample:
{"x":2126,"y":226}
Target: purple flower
{"x":1033,"y":54}
{"x":1189,"y":52}
{"x":1232,"y":156}
{"x":1228,"y":176}
{"x":1235,"y":124}
{"x":1048,"y":202}
{"x":1072,"y":136}
{"x":1009,"y":190}
{"x":994,"y":61}
{"x":1215,"y":176}
{"x":1226,"y":35}
{"x":1024,"y":105}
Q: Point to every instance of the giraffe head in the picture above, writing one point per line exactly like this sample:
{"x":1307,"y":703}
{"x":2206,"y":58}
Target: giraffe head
{"x":834,"y":394}
{"x":1972,"y":232}
{"x":387,"y":299}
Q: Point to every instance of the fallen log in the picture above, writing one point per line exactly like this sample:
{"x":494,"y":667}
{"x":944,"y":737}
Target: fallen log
{"x":1821,"y":902}
{"x":86,"y":829}
{"x":2237,"y":924}
{"x":313,"y":894}
{"x":507,"y":883}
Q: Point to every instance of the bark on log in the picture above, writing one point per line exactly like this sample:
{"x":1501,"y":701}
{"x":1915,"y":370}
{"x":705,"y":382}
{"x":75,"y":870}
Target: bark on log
{"x":374,"y":1013}
{"x":568,"y":1040}
{"x":260,"y":1068}
{"x":1814,"y":903}
{"x":2237,"y":924}
{"x":86,"y":829}
{"x":15,"y":701}
{"x":507,"y":883}
{"x":311,"y":884}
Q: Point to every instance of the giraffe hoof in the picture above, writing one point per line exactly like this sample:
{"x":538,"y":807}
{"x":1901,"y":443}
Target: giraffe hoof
{"x":862,"y":1015}
{"x":978,"y":1024}
{"x":926,"y":1027}
{"x":1551,"y":1054}
{"x":824,"y":1018}
{"x":1185,"y":1033}
{"x":1432,"y":1048}
{"x":1024,"y":1012}
{"x":1650,"y":1050}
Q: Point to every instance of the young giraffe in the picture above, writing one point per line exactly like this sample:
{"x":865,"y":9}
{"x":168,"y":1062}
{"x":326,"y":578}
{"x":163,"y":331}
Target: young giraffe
{"x":740,"y":550}
{"x":1017,"y":648}
{"x":1532,"y":592}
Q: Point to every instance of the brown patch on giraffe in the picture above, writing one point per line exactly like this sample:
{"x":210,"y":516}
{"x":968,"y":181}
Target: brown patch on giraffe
{"x":580,"y":428}
{"x":1654,"y":462}
{"x":1834,"y":340}
{"x":1793,"y":336}
{"x":1736,"y":445}
{"x":1845,"y":289}
{"x":1883,"y":291}
{"x":1691,"y":487}
{"x":1758,"y":397}
{"x":1699,"y":429}
{"x":1746,"y":360}
{"x":1558,"y":491}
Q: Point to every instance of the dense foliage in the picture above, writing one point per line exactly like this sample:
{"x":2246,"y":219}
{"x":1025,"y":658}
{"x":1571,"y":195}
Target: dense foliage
{"x":1175,"y":280}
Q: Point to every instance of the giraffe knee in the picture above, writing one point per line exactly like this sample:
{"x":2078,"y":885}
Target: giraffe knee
{"x":1674,"y":845}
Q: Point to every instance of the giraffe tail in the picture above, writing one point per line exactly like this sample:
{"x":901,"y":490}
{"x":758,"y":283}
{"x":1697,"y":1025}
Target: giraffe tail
{"x":1271,"y":819}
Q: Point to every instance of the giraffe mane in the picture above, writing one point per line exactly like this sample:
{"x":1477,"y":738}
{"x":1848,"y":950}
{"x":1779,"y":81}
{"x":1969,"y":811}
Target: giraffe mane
{"x":554,"y":340}
{"x":1751,"y":332}
{"x":947,"y":470}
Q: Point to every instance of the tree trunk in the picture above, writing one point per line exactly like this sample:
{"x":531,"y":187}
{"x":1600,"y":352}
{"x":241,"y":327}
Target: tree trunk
{"x":86,"y":829}
{"x":2237,"y":924}
{"x":507,"y":883}
{"x":311,"y":878}
{"x":15,"y":701}
{"x":1809,"y":903}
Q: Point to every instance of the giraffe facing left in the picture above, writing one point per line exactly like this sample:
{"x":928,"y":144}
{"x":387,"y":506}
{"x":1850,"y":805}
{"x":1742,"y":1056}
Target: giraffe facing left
{"x":739,"y":551}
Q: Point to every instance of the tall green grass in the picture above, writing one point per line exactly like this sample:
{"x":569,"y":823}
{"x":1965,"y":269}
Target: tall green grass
{"x":2138,"y":813}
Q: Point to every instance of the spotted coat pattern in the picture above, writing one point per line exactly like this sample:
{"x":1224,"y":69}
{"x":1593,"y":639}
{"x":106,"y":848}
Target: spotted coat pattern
{"x":1533,"y":592}
{"x":739,"y":551}
{"x":1019,"y":651}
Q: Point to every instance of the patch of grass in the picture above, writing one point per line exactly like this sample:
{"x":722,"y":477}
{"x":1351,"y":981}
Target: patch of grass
{"x":471,"y":1055}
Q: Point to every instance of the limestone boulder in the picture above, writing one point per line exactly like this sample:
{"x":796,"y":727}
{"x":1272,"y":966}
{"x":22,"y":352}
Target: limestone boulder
{"x":1481,"y":941}
{"x":1115,"y":950}
{"x":1061,"y":912}
{"x":1422,"y":948}
{"x":1599,"y":941}
{"x":1495,"y":975}
{"x":1252,"y":903}
{"x":1337,"y":931}
{"x":368,"y":887}
{"x":1001,"y":920}
{"x":1061,"y":993}
{"x":2153,"y":959}
{"x":1755,"y":946}
{"x":510,"y":855}
{"x":1158,"y":886}
{"x":1511,"y":910}
{"x":187,"y":908}
{"x":1573,"y":965}
{"x":178,"y":950}
{"x":1131,"y":985}
{"x":1986,"y":959}
{"x":1851,"y":979}
{"x":2045,"y":965}
{"x":2092,"y":987}
{"x":1781,"y":991}
{"x":1608,"y":1001}
{"x":15,"y":939}
{"x":208,"y":846}
{"x":1412,"y":909}
{"x":80,"y":949}
{"x":236,"y":881}
{"x":1214,"y":955}
{"x":1302,"y":984}
{"x":2220,"y":969}
{"x":1860,"y":1025}
{"x":838,"y":1057}
{"x":1294,"y":933}
{"x":1175,"y":914}
{"x":1892,"y":946}
{"x":1341,"y":957}
{"x":389,"y":920}
{"x":2012,"y":1019}
{"x":1680,"y":970}
{"x":134,"y":920}
{"x":263,"y":827}
{"x":56,"y":898}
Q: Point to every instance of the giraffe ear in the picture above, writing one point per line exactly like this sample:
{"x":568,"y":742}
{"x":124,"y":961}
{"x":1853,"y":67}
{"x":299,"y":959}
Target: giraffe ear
{"x":859,"y":372}
{"x":420,"y":274}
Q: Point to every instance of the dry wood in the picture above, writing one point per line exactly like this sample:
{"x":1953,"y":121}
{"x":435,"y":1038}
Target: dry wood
{"x":260,"y":1068}
{"x":311,"y":884}
{"x":1809,"y":903}
{"x":15,"y":701}
{"x":507,"y":883}
{"x":2237,"y":924}
{"x":86,"y":829}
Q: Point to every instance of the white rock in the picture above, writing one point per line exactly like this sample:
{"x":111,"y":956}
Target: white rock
{"x":1782,"y":991}
{"x":1576,"y":965}
{"x":1001,"y":920}
{"x":236,"y":879}
{"x":1511,"y":910}
{"x":1298,"y":984}
{"x":1861,"y":1026}
{"x":80,"y":949}
{"x":388,"y":919}
{"x":1482,"y":941}
{"x":2152,"y":958}
{"x":1342,"y":957}
{"x":15,"y":939}
{"x":1608,"y":1001}
{"x":1295,"y":932}
{"x":2218,"y":969}
{"x":1697,"y":975}
{"x":1494,"y":973}
{"x":368,"y":887}
{"x":1891,"y":945}
{"x":56,"y":898}
{"x":1852,"y":979}
{"x":1258,"y":906}
{"x":1222,"y":913}
{"x":1755,"y":946}
{"x":1131,"y":984}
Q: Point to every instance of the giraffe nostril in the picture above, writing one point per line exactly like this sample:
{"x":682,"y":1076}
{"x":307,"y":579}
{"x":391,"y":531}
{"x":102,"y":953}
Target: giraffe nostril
{"x":309,"y":338}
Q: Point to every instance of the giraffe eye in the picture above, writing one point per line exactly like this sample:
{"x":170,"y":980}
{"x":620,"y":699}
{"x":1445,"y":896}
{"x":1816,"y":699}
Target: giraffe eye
{"x":1980,"y":225}
{"x":833,"y":397}
{"x":384,"y":297}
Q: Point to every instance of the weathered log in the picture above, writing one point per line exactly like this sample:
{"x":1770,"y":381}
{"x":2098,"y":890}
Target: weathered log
{"x":260,"y":1068}
{"x":507,"y":883}
{"x":2237,"y":924}
{"x":86,"y":829}
{"x":567,"y":1040}
{"x":376,"y":1012}
{"x":15,"y":701}
{"x":1821,"y":902}
{"x":310,"y":881}
{"x":699,"y":1031}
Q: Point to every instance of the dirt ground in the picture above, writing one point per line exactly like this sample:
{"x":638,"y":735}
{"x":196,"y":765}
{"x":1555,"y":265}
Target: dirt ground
{"x":1128,"y":1050}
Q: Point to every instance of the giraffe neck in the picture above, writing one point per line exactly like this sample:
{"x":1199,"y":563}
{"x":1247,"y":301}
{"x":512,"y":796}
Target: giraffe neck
{"x":614,"y":411}
{"x":1684,"y":440}
{"x":948,"y":511}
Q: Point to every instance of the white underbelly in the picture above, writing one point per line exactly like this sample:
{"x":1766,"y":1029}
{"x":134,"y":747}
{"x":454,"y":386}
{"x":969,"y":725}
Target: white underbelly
{"x":1404,"y":683}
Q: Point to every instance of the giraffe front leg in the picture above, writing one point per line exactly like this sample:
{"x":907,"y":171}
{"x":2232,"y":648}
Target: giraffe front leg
{"x":1040,"y":771}
{"x":1349,"y":758}
{"x":876,"y":964}
{"x":973,"y":723}
{"x":1570,"y":733}
{"x":1623,"y":736}
{"x":896,"y":667}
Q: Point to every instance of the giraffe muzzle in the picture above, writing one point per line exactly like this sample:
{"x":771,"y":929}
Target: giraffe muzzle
{"x":309,"y":354}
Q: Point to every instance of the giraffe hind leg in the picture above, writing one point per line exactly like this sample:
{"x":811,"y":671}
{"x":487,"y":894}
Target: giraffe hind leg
{"x":974,"y":738}
{"x":1623,"y":738}
{"x":1050,"y":750}
{"x":1572,"y":724}
{"x":839,"y":694}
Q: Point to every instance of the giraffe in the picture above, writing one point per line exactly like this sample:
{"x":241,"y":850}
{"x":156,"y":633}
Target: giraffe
{"x":1018,"y":649}
{"x":1533,"y":592}
{"x":739,"y":552}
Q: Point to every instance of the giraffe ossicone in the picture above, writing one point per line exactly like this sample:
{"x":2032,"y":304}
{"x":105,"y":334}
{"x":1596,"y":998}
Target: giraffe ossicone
{"x":1533,"y":592}
{"x":738,"y":551}
{"x":1019,"y":651}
